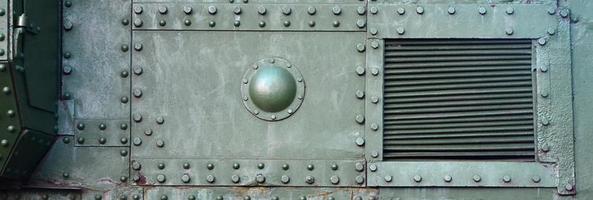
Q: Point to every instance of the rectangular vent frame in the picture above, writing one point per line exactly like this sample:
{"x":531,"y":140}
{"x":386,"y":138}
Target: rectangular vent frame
{"x":458,"y":99}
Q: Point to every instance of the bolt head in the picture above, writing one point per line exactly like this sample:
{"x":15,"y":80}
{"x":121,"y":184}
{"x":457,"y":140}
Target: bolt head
{"x":417,"y":178}
{"x":477,"y":178}
{"x":447,"y":178}
{"x":285,"y":179}
{"x":334,"y":179}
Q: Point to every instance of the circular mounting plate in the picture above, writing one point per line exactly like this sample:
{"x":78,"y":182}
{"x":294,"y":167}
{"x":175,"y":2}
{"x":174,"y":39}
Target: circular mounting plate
{"x":272,"y":89}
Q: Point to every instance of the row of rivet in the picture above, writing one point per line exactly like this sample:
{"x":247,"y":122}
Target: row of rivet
{"x":10,"y":113}
{"x":2,"y":34}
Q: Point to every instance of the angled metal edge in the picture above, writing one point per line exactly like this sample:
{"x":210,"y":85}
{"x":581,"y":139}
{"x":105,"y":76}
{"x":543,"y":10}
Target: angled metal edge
{"x":30,"y":148}
{"x":249,"y":17}
{"x":460,"y":20}
{"x":212,"y":172}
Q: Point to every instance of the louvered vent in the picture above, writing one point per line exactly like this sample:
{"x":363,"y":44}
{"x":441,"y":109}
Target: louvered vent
{"x":462,"y":99}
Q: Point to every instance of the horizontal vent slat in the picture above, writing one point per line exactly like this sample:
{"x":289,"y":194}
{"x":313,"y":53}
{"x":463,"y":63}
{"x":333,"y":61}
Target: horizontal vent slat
{"x":469,"y":99}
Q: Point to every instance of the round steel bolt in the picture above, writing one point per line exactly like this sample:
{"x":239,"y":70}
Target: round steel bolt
{"x":447,"y":178}
{"x":551,"y":31}
{"x":235,"y":178}
{"x":210,"y":179}
{"x":161,"y":166}
{"x":260,"y":178}
{"x":569,"y":187}
{"x":286,"y":11}
{"x":212,"y":10}
{"x":187,"y":10}
{"x":310,"y":167}
{"x":451,"y":10}
{"x":536,"y":179}
{"x":359,"y":94}
{"x":388,"y":178}
{"x":136,"y":165}
{"x":361,"y":10}
{"x":160,"y":143}
{"x":160,"y":120}
{"x":420,"y":10}
{"x":374,"y":127}
{"x":260,"y":165}
{"x":510,"y":10}
{"x":360,"y":70}
{"x":309,"y":179}
{"x":311,"y":10}
{"x":360,"y":47}
{"x":361,"y":23}
{"x":374,"y":100}
{"x":285,"y":179}
{"x":185,"y":178}
{"x":138,"y":23}
{"x":359,"y":119}
{"x":138,"y":9}
{"x":509,"y":31}
{"x":163,"y":10}
{"x":137,"y":93}
{"x":336,"y":10}
{"x":137,"y":117}
{"x":137,"y":141}
{"x":236,"y":166}
{"x":68,"y":25}
{"x":334,"y":166}
{"x":374,"y":10}
{"x":417,"y":178}
{"x":564,"y":13}
{"x":401,"y":11}
{"x":148,"y":132}
{"x":285,"y":167}
{"x":161,"y":178}
{"x":400,"y":30}
{"x":482,"y":10}
{"x":359,"y":180}
{"x":334,"y":179}
{"x":373,"y":167}
{"x":375,"y":154}
{"x":262,"y":10}
{"x":477,"y":178}
{"x":360,"y":141}
{"x":359,"y":167}
{"x":506,"y":179}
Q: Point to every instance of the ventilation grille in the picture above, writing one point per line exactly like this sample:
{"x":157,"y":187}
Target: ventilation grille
{"x":458,"y":99}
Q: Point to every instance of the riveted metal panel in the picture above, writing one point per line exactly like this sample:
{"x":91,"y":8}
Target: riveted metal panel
{"x":71,"y":166}
{"x":260,"y":193}
{"x":28,"y":151}
{"x":460,"y":20}
{"x":96,"y":67}
{"x":260,"y":17}
{"x":468,"y":193}
{"x":9,"y":124}
{"x":108,"y":132}
{"x":4,"y":29}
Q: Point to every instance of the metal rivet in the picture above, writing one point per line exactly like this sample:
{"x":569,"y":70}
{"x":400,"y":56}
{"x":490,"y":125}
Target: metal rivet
{"x":136,"y":166}
{"x":311,"y":23}
{"x":360,"y":70}
{"x":568,"y":187}
{"x":551,"y":10}
{"x":509,"y":31}
{"x":477,"y":178}
{"x":359,"y":167}
{"x":161,"y":166}
{"x":359,"y":141}
{"x":235,"y":179}
{"x":137,"y":141}
{"x":451,"y":10}
{"x":4,"y":143}
{"x":123,"y":179}
{"x":160,"y":143}
{"x":161,"y":178}
{"x":259,"y":178}
{"x":260,"y":165}
{"x":66,"y":140}
{"x":361,"y":10}
{"x":360,"y":47}
{"x":361,"y":23}
{"x":10,"y":113}
{"x":212,"y":10}
{"x":68,"y":25}
{"x":310,"y":167}
{"x":162,"y":22}
{"x":137,"y":117}
{"x":401,"y":11}
{"x":123,"y":126}
{"x":359,"y":119}
{"x":400,"y":30}
{"x":237,"y":23}
{"x":373,"y":167}
{"x":123,"y":153}
{"x":138,"y":23}
{"x":236,"y":166}
{"x":551,"y":31}
{"x":191,"y":197}
{"x":564,"y":13}
{"x":374,"y":44}
{"x":545,"y":148}
{"x":285,"y":166}
{"x":210,"y":166}
{"x":262,"y":24}
{"x":309,"y":179}
{"x":187,"y":22}
{"x":148,"y":132}
{"x":541,"y":41}
{"x":311,"y":10}
{"x":374,"y":100}
{"x":447,"y":178}
{"x":137,"y":93}
{"x":163,"y":10}
{"x":68,"y":4}
{"x":334,"y":166}
{"x":419,"y":10}
{"x":210,"y":179}
{"x":334,"y":179}
{"x":262,"y":10}
{"x":510,"y":10}
{"x":286,"y":23}
{"x":506,"y":179}
{"x":102,"y":140}
{"x":544,"y":121}
{"x":286,"y":11}
{"x":160,"y":120}
{"x":65,"y":175}
{"x":185,"y":178}
{"x":285,"y":179}
{"x":417,"y":178}
{"x":80,"y":126}
{"x":374,"y":10}
{"x":336,"y":24}
{"x":374,"y":127}
{"x":11,"y":129}
{"x":359,"y":94}
{"x":138,"y":70}
{"x":359,"y":179}
{"x":138,"y":9}
{"x":336,"y":10}
{"x":536,"y":179}
{"x":124,"y":48}
{"x":187,"y":10}
{"x":375,"y":154}
{"x":482,"y":10}
{"x":388,"y":178}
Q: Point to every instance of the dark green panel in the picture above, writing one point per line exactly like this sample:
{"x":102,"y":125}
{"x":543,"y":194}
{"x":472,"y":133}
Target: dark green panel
{"x":28,"y":151}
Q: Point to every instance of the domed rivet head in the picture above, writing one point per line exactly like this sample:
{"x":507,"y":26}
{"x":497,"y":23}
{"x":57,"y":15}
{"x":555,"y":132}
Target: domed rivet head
{"x":373,"y":31}
{"x":237,"y":10}
{"x":124,"y":74}
{"x":286,"y":11}
{"x":137,"y":117}
{"x":420,"y":10}
{"x":123,"y":197}
{"x":334,"y":179}
{"x":68,"y":25}
{"x":360,"y":47}
{"x":102,"y":140}
{"x":510,"y":10}
{"x":210,"y":166}
{"x":80,"y":126}
{"x":136,"y":197}
{"x":309,"y":179}
{"x":374,"y":10}
{"x":451,"y":10}
{"x":359,"y":180}
{"x":275,"y":198}
{"x":359,"y":119}
{"x":477,"y":178}
{"x":260,"y":165}
{"x":361,"y":23}
{"x":374,"y":100}
{"x":417,"y":178}
{"x":506,"y":179}
{"x":191,"y":197}
{"x":148,"y":132}
{"x":361,"y":10}
{"x":374,"y":127}
{"x":187,"y":10}
{"x":163,"y":10}
{"x":160,"y":120}
{"x":360,"y":70}
{"x":237,"y":23}
{"x":137,"y":93}
{"x":138,"y":9}
{"x":260,"y":178}
{"x":359,"y":167}
{"x":246,"y":198}
{"x":303,"y":198}
{"x":162,"y":23}
{"x":375,"y":44}
{"x":373,"y":167}
{"x":161,"y":166}
{"x":65,"y":96}
{"x":66,"y":175}
{"x":375,"y":154}
{"x":124,"y":99}
{"x":564,"y":13}
{"x":123,"y":126}
{"x":210,"y":179}
{"x":359,"y":141}
{"x":123,"y":179}
{"x":359,"y":94}
{"x":262,"y":10}
{"x":212,"y":10}
{"x":102,"y":126}
{"x":400,"y":30}
{"x":98,"y":197}
{"x":401,"y":11}
{"x":262,"y":24}
{"x":138,"y":70}
{"x":544,"y":93}
{"x":138,"y":23}
{"x":66,"y":140}
{"x":161,"y":178}
{"x":137,"y":141}
{"x":185,"y":178}
{"x":164,"y":197}
{"x":160,"y":143}
{"x":569,"y":187}
{"x":186,"y":165}
{"x":10,"y":113}
{"x":544,"y":121}
{"x":388,"y":178}
{"x":541,"y":41}
{"x":545,"y":148}
{"x":123,"y":153}
{"x":285,"y":167}
{"x":11,"y":129}
{"x":236,"y":166}
{"x":336,"y":10}
{"x":124,"y":48}
{"x":543,"y":68}
{"x":482,"y":10}
{"x":286,"y":23}
{"x":310,"y":167}
{"x":68,"y":4}
{"x":219,"y":197}
{"x":4,"y":143}
{"x":508,"y":31}
{"x":187,"y":22}
{"x":311,"y":10}
{"x":2,"y":66}
{"x":447,"y":178}
{"x":551,"y":31}
{"x":334,"y":166}
{"x":67,"y":55}
{"x":235,"y":178}
{"x":285,"y":179}
{"x":136,"y":165}
{"x":536,"y":179}
{"x":311,"y":23}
